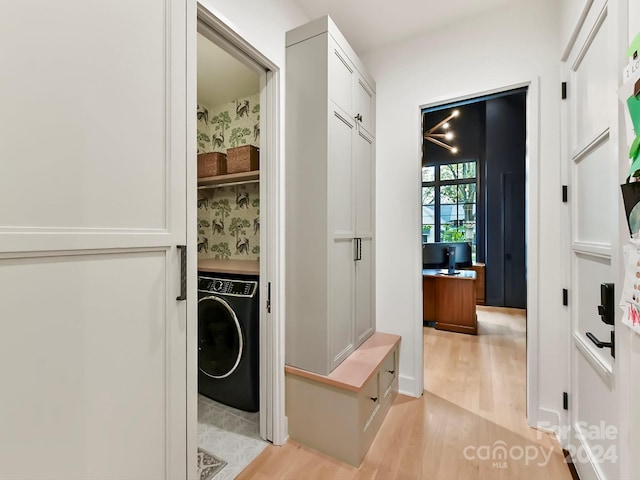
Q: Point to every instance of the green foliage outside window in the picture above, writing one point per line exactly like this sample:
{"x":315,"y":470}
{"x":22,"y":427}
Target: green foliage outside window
{"x":451,"y":233}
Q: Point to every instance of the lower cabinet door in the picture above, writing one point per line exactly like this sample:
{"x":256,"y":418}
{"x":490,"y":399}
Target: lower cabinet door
{"x":388,"y":373}
{"x":342,"y":302}
{"x":369,"y":401}
{"x":365,"y":295}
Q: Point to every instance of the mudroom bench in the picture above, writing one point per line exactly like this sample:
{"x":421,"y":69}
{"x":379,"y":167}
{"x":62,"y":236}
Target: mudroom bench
{"x":340,"y":413}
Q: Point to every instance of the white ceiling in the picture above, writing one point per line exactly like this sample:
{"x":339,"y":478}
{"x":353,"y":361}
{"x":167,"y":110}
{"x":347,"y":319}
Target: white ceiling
{"x":222,"y":78}
{"x":370,"y":25}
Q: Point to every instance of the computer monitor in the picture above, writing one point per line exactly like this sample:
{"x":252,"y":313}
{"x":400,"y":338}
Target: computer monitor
{"x":435,"y":255}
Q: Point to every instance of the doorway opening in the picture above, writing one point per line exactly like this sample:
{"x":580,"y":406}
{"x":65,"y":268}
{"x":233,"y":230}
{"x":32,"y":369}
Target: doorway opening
{"x":228,"y":223}
{"x":236,"y":332}
{"x":475,"y":193}
{"x":473,"y":188}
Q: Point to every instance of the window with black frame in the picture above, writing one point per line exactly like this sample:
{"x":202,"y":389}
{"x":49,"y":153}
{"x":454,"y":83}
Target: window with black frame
{"x":449,"y":203}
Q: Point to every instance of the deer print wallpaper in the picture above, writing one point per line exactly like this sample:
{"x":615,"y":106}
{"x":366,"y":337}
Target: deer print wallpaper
{"x":229,"y":217}
{"x":229,"y":222}
{"x":230,"y":125}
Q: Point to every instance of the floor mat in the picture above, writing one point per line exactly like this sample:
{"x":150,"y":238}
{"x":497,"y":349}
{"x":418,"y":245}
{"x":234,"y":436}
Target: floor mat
{"x":208,"y":465}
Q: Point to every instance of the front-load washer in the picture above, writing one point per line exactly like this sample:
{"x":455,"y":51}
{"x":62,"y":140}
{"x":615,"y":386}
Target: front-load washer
{"x":228,"y":339}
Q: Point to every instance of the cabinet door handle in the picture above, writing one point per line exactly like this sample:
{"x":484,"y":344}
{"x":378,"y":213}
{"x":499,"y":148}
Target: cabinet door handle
{"x":391,"y":371}
{"x":374,"y":399}
{"x":357,"y":249}
{"x":183,"y":272}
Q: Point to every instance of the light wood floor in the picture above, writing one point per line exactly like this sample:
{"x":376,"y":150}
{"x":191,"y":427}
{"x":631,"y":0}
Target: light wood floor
{"x":473,"y":405}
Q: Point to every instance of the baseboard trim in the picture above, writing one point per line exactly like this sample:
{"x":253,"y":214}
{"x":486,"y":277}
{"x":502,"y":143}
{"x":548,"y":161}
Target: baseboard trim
{"x":407,"y":386}
{"x":569,"y":461}
{"x":548,"y":421}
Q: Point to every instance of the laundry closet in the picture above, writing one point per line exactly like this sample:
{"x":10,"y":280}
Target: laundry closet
{"x":228,"y":222}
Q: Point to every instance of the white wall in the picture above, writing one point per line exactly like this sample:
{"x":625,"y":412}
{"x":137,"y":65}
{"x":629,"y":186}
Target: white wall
{"x":493,"y":50}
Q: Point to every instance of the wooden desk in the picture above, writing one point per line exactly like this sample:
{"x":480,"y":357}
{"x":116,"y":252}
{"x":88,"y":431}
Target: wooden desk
{"x":450,"y":300}
{"x":479,"y":268}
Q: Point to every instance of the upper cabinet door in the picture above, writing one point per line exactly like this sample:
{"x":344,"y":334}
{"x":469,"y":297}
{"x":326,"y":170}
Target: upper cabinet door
{"x":364,"y":104}
{"x":341,"y":73}
{"x":341,"y":175}
{"x":363,"y":165}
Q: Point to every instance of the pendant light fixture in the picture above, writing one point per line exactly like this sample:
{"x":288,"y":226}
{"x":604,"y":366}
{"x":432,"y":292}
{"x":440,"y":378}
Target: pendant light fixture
{"x":445,"y":134}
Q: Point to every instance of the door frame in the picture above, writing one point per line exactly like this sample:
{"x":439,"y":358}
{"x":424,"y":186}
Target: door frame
{"x":272,"y":417}
{"x":532,"y":196}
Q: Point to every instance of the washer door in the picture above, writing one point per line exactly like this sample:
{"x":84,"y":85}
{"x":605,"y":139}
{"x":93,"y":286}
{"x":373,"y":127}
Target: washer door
{"x":220,"y":340}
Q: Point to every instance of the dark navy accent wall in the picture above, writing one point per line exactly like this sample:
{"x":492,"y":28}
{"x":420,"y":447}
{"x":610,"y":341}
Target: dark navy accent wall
{"x":505,"y":126}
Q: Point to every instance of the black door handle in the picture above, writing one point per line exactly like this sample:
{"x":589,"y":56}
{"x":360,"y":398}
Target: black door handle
{"x":599,"y":344}
{"x":183,"y":272}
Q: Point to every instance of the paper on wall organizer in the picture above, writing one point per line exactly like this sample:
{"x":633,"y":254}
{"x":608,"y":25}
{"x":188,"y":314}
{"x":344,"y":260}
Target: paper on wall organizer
{"x":629,"y":94}
{"x":630,"y":300}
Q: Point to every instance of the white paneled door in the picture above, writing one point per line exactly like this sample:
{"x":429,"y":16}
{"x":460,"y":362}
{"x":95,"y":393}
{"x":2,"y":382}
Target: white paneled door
{"x":92,"y":208}
{"x":592,"y":436}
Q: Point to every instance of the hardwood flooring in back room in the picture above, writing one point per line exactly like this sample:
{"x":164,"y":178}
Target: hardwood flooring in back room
{"x":474,"y":403}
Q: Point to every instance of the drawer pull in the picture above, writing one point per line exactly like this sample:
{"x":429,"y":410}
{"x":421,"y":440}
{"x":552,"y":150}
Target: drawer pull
{"x":374,"y":399}
{"x":391,"y":371}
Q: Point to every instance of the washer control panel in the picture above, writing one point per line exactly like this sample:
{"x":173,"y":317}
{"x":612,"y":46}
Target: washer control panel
{"x":224,"y":286}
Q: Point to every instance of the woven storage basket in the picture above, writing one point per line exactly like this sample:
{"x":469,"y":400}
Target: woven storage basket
{"x":243,"y":159}
{"x":210,"y":164}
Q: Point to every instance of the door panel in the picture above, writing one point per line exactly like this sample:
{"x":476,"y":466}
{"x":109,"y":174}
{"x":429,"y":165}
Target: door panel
{"x":590,"y":272}
{"x":94,"y":108}
{"x":341,"y":215}
{"x":593,"y":208}
{"x":365,"y":294}
{"x":365,"y":104}
{"x":515,"y":280}
{"x":594,"y":223}
{"x":364,"y":274}
{"x":84,"y":356}
{"x":364,"y":182}
{"x":596,"y":435}
{"x":341,"y":300}
{"x":341,"y":175}
{"x":92,"y":207}
{"x":591,"y":88}
{"x":341,"y":75}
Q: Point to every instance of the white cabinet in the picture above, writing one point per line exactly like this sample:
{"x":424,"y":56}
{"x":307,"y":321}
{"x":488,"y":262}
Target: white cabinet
{"x":330,"y":168}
